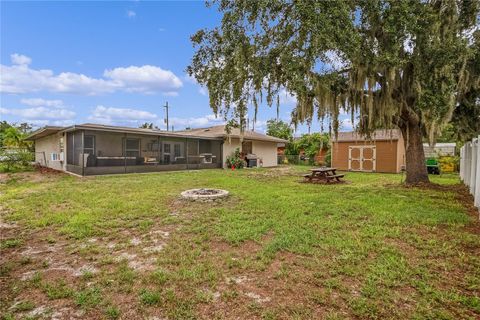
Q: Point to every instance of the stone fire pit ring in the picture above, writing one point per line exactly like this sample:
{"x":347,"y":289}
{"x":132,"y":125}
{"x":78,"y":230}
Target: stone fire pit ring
{"x":204,"y":194}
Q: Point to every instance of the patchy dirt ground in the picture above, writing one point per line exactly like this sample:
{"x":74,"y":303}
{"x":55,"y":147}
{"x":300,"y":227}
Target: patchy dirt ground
{"x":275,"y":249}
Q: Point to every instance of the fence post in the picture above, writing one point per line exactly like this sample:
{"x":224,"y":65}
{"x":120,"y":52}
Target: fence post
{"x":462,"y":163}
{"x":473,"y":164}
{"x":477,"y":178}
{"x":468,"y":163}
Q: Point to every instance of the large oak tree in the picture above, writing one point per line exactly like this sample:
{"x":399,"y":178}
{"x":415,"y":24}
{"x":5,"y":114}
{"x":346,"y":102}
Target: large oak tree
{"x":391,"y":63}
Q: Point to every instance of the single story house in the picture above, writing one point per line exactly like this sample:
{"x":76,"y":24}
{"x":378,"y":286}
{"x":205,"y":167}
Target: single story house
{"x":92,"y":149}
{"x":384,"y":151}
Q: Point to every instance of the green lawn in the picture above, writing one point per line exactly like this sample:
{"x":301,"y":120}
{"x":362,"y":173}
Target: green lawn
{"x":127,"y":247}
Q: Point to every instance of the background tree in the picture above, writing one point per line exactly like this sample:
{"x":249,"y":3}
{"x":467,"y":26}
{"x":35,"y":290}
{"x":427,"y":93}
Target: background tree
{"x":466,"y":116}
{"x":394,"y":63}
{"x":448,"y":134}
{"x":147,"y":125}
{"x":4,"y":125}
{"x":279,"y":129}
{"x":12,"y":135}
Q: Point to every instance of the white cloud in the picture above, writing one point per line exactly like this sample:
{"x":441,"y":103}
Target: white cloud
{"x":47,"y":122}
{"x":346,"y":125}
{"x":190,"y":79}
{"x":42,"y":113}
{"x":131,"y":14}
{"x":208,"y":120}
{"x":112,"y":115}
{"x":334,"y":61}
{"x":287,"y":98}
{"x":20,"y":78}
{"x":39,"y":102}
{"x":20,"y":59}
{"x":196,"y":122}
{"x":145,"y":79}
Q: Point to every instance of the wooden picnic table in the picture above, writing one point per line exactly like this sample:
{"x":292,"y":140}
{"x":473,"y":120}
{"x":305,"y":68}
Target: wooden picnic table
{"x":323,"y":174}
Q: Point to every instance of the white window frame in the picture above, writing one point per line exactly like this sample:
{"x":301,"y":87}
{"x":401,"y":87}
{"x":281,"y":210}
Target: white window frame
{"x":56,"y":156}
{"x":94,"y":144}
{"x":175,"y":150}
{"x":132,"y":150}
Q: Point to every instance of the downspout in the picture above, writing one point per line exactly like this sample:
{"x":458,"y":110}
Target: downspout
{"x":158,"y":152}
{"x":186,"y":151}
{"x":125,"y":152}
{"x":221,"y":154}
{"x":83,"y":153}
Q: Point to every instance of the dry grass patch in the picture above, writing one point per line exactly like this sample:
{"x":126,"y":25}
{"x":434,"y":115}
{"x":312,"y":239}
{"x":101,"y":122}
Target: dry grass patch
{"x":128,"y":247}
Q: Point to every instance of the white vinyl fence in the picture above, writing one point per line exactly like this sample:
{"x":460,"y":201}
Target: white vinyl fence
{"x":470,"y":167}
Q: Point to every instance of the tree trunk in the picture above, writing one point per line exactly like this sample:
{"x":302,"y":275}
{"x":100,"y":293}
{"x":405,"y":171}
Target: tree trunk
{"x":414,"y":154}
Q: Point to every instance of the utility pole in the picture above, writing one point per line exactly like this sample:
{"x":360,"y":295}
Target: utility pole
{"x":166,"y":109}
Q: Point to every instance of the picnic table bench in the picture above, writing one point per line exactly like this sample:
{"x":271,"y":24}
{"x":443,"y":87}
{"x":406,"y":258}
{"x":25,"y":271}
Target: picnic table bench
{"x":323,"y":174}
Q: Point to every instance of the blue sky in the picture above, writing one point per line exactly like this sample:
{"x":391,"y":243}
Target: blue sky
{"x":107,"y":62}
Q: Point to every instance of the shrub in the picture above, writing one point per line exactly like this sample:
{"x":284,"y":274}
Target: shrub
{"x":449,"y":163}
{"x":235,"y":160}
{"x":12,"y":160}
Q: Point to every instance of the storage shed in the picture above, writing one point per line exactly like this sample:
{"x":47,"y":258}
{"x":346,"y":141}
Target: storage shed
{"x":383,"y":152}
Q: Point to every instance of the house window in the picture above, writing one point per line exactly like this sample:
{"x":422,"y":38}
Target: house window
{"x":205,"y":146}
{"x":176,"y":150}
{"x":55,"y":157}
{"x":166,"y":159}
{"x":132,"y":147}
{"x":62,"y":146}
{"x":154,"y":146}
{"x":89,"y":145}
{"x":247,"y":147}
{"x":166,"y":148}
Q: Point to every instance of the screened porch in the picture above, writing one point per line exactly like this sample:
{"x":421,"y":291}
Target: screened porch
{"x":98,"y":152}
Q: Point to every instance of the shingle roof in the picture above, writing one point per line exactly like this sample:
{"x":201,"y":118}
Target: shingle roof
{"x":377,"y":135}
{"x":216,"y":132}
{"x":219,"y":131}
{"x":43,"y":132}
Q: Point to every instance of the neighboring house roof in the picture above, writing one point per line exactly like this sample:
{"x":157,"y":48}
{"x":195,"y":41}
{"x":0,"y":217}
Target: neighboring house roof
{"x":442,"y":145}
{"x":377,"y":135}
{"x":216,"y":132}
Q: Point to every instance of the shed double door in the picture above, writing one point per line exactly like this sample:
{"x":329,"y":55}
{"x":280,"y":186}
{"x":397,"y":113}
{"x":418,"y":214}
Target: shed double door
{"x":362,"y":158}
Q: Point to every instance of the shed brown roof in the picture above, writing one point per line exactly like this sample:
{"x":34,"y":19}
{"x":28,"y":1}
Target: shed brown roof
{"x":377,"y":135}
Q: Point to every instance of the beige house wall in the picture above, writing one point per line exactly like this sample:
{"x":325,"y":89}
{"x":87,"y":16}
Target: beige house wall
{"x":265,"y":150}
{"x":107,"y":144}
{"x":229,"y":147}
{"x":44,"y":147}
